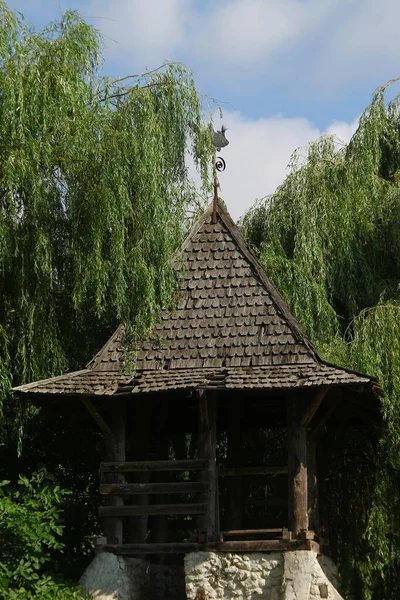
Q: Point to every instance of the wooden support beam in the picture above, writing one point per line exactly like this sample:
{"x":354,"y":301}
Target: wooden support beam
{"x":96,"y":416}
{"x":115,"y":451}
{"x":233,"y":547}
{"x":163,"y":548}
{"x":167,"y":487}
{"x":207,"y":451}
{"x":297,"y":467}
{"x":253,"y":534}
{"x":152,"y":509}
{"x":153,"y":465}
{"x":325,"y":417}
{"x":262,"y":546}
{"x":315,"y":404}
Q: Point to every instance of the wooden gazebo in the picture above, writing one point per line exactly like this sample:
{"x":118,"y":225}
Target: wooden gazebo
{"x":228,"y":360}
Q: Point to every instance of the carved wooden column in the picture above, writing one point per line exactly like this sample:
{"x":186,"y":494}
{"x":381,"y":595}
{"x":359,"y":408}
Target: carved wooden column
{"x":297,"y":466}
{"x":115,"y":452}
{"x":207,"y":450}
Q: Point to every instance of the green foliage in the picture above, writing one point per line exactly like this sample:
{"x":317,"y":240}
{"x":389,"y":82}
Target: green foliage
{"x":29,"y":531}
{"x":93,"y":189}
{"x":329,"y":238}
{"x":93,"y":194}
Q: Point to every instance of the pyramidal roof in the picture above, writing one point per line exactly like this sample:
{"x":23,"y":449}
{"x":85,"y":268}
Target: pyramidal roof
{"x":229,"y":329}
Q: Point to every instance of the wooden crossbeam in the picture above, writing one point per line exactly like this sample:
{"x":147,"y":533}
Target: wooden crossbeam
{"x":325,"y":417}
{"x":232,"y":546}
{"x":252,"y":534}
{"x":153,"y":465}
{"x":152,"y":509}
{"x":167,"y":487}
{"x":315,"y":404}
{"x":96,"y":416}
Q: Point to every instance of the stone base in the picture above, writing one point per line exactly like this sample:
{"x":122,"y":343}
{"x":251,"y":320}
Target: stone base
{"x":111,"y":577}
{"x":294,"y":575}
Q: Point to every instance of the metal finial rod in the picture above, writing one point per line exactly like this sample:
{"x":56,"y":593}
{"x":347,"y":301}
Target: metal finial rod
{"x":214,"y":213}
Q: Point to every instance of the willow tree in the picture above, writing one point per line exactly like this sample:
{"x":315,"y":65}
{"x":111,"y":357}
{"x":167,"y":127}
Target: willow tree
{"x":329,"y":237}
{"x":93,"y":190}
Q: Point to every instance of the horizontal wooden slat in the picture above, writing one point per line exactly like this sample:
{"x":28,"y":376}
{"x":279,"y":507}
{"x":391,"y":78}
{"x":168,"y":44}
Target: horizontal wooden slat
{"x":252,"y":534}
{"x":186,"y":547}
{"x":167,"y":487}
{"x":164,"y":548}
{"x":152,"y":509}
{"x":153,"y":465}
{"x":240,"y":471}
{"x":262,"y":546}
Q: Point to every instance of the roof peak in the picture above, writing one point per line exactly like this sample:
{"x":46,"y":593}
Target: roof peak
{"x":229,"y":314}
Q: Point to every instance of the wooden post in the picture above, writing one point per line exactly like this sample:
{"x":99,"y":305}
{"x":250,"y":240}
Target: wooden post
{"x":312,"y":483}
{"x":297,"y":466}
{"x":207,"y":450}
{"x":234,"y":517}
{"x":115,"y":451}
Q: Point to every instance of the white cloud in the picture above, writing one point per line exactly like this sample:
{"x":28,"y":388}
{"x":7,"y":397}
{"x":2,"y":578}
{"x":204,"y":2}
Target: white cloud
{"x":228,"y":33}
{"x":363,"y":46}
{"x":259,"y":153}
{"x":250,"y":31}
{"x":141,"y":33}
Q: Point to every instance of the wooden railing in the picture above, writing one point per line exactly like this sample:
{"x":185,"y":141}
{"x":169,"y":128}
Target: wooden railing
{"x":118,"y":491}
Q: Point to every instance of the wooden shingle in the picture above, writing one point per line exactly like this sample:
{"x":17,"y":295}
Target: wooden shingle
{"x":229,"y":322}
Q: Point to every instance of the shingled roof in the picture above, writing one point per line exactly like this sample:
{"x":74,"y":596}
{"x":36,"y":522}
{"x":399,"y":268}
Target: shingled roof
{"x":229,"y":329}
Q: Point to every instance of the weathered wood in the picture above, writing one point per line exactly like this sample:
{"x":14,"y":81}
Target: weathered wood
{"x":157,"y":548}
{"x":262,"y":546}
{"x":233,"y":547}
{"x":315,"y":404}
{"x":152,"y":509}
{"x":167,"y":487}
{"x":312,"y":484}
{"x":306,"y":534}
{"x":96,"y":416}
{"x":207,"y":451}
{"x":153,"y":465}
{"x":297,"y":467}
{"x":115,"y":451}
{"x":240,"y":471}
{"x":253,"y":534}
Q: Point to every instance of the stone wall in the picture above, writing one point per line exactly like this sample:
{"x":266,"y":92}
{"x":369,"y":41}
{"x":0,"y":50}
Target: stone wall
{"x":110,"y":577}
{"x":293,"y":575}
{"x":296,"y":575}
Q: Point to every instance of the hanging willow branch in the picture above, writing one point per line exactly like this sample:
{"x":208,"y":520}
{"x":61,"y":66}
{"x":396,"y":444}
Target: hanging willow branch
{"x":92,"y":194}
{"x":329,"y":237}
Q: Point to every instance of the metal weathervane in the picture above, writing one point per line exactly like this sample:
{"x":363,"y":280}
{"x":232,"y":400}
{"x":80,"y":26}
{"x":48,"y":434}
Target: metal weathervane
{"x":220,"y":142}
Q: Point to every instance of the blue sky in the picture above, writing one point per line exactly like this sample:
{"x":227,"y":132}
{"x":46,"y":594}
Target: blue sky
{"x":285,"y":71}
